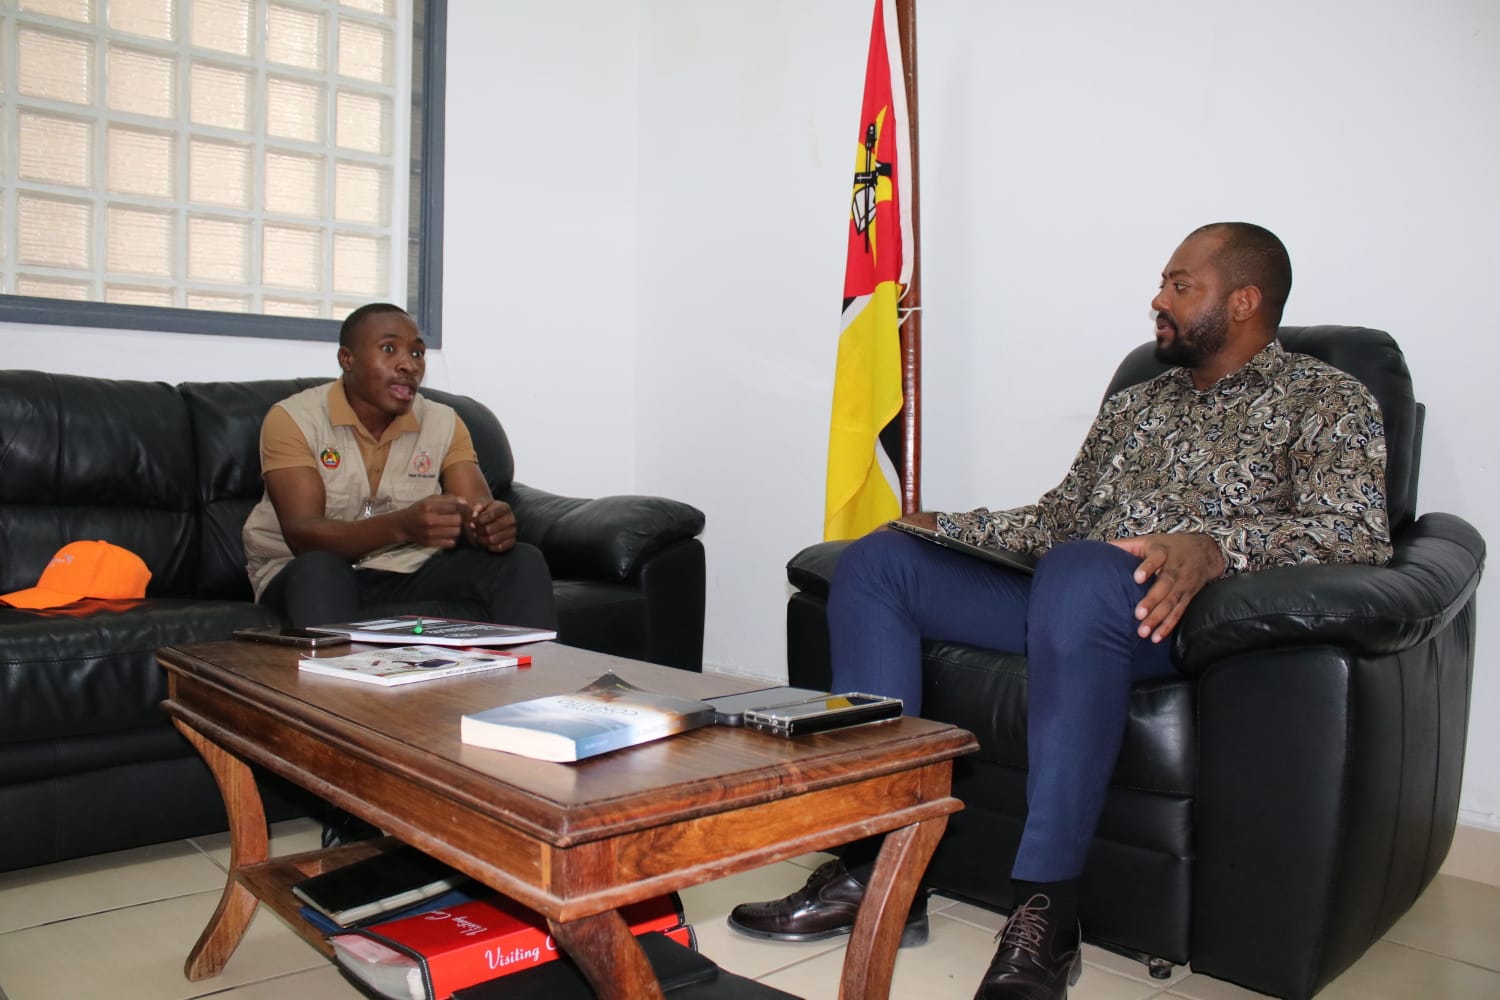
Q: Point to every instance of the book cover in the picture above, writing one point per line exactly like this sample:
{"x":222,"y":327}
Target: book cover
{"x":429,"y":955}
{"x":403,"y":629}
{"x":408,"y":664}
{"x":673,"y":956}
{"x":466,"y":892}
{"x":607,"y":715}
{"x":378,"y":884}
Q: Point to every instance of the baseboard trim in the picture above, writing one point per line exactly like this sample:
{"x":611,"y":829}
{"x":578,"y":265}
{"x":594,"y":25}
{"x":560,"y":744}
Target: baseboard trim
{"x":1475,"y":855}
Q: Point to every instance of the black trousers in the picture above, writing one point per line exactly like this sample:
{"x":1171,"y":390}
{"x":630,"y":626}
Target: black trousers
{"x":319,"y":588}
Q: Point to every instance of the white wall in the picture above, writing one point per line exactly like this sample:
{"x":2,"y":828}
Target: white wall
{"x":746,"y":110}
{"x":644,"y":246}
{"x":539,"y":287}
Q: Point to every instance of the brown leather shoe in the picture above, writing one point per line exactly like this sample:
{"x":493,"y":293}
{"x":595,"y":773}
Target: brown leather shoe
{"x":823,"y":908}
{"x":1037,"y":959}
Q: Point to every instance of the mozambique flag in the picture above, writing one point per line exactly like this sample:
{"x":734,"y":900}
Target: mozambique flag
{"x":864,"y":437}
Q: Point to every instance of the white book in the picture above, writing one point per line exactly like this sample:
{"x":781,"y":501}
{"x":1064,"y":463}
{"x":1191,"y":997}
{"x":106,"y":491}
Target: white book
{"x":607,"y":715}
{"x":403,"y":629}
{"x":408,"y":664}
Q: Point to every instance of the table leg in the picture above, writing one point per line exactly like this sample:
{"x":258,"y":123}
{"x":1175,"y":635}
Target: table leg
{"x":871,"y":957}
{"x":609,"y":956}
{"x":247,"y":846}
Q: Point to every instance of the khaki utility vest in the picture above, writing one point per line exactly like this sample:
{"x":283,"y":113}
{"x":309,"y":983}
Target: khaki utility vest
{"x":411,"y":473}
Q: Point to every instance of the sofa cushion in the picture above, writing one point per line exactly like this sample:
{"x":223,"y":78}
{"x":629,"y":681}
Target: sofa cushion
{"x":87,"y":458}
{"x":48,"y":759}
{"x":225,"y":418}
{"x":91,"y":667}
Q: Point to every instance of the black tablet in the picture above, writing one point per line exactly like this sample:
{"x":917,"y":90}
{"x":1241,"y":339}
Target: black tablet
{"x":1021,"y":562}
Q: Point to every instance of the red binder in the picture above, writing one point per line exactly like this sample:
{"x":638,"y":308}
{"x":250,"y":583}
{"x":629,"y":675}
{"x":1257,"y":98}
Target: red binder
{"x":429,"y":955}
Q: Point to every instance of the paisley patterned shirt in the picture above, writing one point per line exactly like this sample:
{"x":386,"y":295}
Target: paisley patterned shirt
{"x":1281,"y":462}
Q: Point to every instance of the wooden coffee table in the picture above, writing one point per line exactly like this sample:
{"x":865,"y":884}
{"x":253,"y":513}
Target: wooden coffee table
{"x":573,"y":841}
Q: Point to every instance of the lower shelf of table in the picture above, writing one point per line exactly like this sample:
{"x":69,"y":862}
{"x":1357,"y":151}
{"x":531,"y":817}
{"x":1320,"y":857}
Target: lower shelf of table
{"x":271,"y":881}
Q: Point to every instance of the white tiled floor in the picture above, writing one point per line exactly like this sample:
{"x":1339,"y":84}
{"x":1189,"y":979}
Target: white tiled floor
{"x":120,"y":926}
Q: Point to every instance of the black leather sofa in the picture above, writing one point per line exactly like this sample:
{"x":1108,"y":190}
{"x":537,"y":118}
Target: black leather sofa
{"x":88,"y":762}
{"x":1279,"y":805}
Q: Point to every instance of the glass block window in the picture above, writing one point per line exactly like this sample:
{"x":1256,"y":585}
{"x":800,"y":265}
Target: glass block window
{"x":257,"y":158}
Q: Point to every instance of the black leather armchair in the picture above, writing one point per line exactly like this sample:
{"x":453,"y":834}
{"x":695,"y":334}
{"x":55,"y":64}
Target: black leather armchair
{"x":1280,"y":804}
{"x":88,"y":762}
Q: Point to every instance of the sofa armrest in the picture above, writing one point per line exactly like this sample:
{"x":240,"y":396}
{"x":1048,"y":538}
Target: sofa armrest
{"x":812,"y":568}
{"x":1370,"y":609}
{"x":607,"y":538}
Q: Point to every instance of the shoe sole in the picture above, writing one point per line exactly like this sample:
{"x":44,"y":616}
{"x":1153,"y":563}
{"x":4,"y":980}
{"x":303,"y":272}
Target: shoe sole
{"x":913,"y":935}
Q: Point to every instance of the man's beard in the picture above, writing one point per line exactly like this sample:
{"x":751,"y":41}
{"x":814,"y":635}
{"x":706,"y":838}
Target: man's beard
{"x":1203,"y":338}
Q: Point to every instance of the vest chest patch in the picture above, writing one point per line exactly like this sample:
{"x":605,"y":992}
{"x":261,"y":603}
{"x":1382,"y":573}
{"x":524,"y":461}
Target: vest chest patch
{"x":330,"y":458}
{"x":421,"y":466}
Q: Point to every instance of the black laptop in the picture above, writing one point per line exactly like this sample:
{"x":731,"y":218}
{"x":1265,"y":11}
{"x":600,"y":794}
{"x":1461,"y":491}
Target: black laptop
{"x":1021,"y":562}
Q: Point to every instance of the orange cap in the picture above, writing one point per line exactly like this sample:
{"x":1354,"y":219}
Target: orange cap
{"x":85,"y":569}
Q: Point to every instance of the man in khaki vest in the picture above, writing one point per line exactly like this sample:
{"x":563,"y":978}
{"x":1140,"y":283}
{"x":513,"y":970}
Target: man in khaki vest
{"x":374,"y":495}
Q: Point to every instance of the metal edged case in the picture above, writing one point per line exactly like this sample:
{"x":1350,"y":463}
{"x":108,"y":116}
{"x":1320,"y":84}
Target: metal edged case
{"x":730,"y":709}
{"x":816,"y":715}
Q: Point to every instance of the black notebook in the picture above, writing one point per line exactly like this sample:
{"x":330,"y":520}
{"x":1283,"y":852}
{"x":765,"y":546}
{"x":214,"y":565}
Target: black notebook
{"x":378,"y":884}
{"x":675,"y":966}
{"x":1021,"y":562}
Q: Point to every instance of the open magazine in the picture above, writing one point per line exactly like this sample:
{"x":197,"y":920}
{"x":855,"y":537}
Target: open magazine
{"x":404,"y":629}
{"x":408,"y":664}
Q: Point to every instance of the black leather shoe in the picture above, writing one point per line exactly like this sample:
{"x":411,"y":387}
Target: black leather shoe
{"x":823,"y":908}
{"x":1038,"y":959}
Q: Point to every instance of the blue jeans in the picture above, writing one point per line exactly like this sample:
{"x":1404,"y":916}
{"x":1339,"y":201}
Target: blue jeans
{"x":1074,"y":621}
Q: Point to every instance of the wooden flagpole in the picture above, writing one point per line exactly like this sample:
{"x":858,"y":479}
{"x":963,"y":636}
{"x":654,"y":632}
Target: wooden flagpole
{"x":910,"y":307}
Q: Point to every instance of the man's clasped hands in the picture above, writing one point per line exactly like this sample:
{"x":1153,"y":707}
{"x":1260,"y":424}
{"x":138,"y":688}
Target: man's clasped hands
{"x":440,"y":520}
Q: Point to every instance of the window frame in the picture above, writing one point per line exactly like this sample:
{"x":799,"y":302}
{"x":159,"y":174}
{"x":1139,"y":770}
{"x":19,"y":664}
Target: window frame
{"x":424,"y":286}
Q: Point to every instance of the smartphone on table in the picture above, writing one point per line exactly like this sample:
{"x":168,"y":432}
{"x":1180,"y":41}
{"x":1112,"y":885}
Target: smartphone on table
{"x":285,"y":635}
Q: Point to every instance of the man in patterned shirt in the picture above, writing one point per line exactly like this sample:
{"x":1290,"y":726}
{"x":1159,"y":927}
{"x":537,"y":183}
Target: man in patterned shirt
{"x":1240,"y":458}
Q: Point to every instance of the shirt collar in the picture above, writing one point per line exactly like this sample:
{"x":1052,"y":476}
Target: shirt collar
{"x":341,"y":414}
{"x":1264,"y":367}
